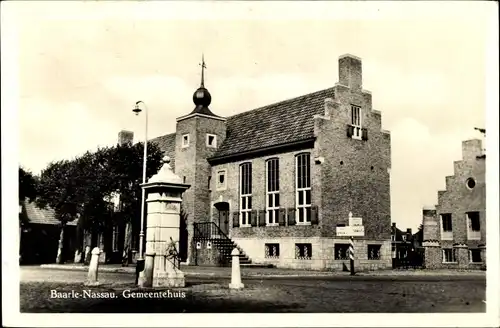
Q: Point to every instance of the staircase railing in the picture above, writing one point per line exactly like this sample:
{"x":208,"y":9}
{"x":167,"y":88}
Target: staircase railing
{"x":208,"y":230}
{"x":204,"y":231}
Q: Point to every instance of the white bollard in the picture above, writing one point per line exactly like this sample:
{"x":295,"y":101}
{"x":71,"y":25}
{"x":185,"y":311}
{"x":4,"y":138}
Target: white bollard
{"x":235,"y":272}
{"x":146,"y":275}
{"x":78,"y":256}
{"x":93,"y":267}
{"x":86,"y":259}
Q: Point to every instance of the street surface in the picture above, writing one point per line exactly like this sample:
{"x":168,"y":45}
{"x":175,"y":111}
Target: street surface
{"x":333,"y":294}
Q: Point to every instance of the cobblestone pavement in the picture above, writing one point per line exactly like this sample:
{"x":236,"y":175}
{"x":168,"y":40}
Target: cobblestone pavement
{"x":278,"y":294}
{"x":269,"y":272}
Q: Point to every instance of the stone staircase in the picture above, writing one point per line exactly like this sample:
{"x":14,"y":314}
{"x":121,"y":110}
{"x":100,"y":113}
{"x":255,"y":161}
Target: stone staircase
{"x":209,"y":231}
{"x":226,"y":246}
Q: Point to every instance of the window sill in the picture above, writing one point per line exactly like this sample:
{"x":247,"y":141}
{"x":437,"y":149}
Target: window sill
{"x":356,"y":138}
{"x":303,"y":223}
{"x":272,"y":224}
{"x":303,"y":258}
{"x":221,"y":189}
{"x":272,"y":257}
{"x":245,"y":225}
{"x":450,"y":262}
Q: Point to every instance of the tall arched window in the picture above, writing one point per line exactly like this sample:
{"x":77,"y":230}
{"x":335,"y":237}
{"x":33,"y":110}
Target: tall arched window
{"x":245,"y":193}
{"x":272,"y":191}
{"x":303,"y":188}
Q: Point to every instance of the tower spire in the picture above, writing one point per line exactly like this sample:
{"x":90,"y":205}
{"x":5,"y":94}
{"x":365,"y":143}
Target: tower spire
{"x":203,"y":66}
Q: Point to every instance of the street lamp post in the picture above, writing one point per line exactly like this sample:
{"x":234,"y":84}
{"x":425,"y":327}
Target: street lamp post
{"x":137,"y":110}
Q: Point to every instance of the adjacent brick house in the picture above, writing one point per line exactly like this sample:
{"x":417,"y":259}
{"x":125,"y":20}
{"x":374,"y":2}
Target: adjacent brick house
{"x":455,"y":230}
{"x":279,"y":180}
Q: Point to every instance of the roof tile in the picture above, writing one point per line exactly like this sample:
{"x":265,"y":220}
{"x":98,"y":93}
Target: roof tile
{"x":37,"y":215}
{"x":283,"y":122}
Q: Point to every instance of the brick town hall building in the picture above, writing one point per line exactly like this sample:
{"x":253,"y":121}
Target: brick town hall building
{"x":277,"y":181}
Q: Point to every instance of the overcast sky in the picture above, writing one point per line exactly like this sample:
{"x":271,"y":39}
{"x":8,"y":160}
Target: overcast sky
{"x":83,"y":65}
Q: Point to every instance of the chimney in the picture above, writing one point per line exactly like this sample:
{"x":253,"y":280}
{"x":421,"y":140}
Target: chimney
{"x":394,"y":224}
{"x":408,"y":231}
{"x":350,"y":72}
{"x":125,"y":137}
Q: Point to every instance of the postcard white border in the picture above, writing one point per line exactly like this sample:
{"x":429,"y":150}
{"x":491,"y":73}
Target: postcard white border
{"x":237,"y":10}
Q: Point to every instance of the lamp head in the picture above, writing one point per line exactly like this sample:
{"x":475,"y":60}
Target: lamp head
{"x":137,"y":110}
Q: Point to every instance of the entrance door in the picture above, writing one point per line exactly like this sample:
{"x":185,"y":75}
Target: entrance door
{"x":224,"y":221}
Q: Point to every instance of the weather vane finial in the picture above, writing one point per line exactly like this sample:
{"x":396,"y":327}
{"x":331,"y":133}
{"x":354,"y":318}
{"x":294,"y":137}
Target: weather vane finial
{"x":203,"y":66}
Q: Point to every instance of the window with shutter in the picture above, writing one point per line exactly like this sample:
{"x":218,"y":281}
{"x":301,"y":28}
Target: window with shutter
{"x":314,"y":215}
{"x":350,"y":130}
{"x":291,"y":216}
{"x":282,"y":219}
{"x":364,"y":135}
{"x":236,"y":219}
{"x":253,"y":218}
{"x":262,"y":218}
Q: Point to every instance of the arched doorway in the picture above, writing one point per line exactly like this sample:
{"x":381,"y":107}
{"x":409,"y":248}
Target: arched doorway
{"x":221,"y":217}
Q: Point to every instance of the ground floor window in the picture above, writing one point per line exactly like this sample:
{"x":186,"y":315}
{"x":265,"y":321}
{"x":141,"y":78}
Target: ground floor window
{"x":475,"y":256}
{"x":448,"y":255}
{"x":246,"y":209}
{"x":341,"y":251}
{"x":374,"y":252}
{"x":303,"y":251}
{"x":272,"y":251}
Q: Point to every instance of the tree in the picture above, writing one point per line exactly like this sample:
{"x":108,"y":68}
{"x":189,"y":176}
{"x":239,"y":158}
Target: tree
{"x":83,"y":187}
{"x":58,"y":190}
{"x":28,"y":184}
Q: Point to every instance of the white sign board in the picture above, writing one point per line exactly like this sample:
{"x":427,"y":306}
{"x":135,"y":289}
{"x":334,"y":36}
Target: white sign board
{"x":355,"y":221}
{"x":355,"y":231}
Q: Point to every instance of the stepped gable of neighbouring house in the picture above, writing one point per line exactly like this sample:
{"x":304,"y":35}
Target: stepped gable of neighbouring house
{"x":269,"y":126}
{"x":37,"y":215}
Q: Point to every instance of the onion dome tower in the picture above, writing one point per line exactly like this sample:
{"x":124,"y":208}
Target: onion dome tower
{"x":201,"y":96}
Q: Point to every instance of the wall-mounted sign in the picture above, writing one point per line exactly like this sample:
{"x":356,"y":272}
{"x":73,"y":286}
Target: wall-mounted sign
{"x":358,"y":231}
{"x":355,"y":221}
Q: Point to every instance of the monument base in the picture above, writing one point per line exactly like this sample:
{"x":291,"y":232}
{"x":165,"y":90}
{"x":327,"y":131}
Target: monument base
{"x":92,"y":283}
{"x":169,"y":279}
{"x":236,"y":286}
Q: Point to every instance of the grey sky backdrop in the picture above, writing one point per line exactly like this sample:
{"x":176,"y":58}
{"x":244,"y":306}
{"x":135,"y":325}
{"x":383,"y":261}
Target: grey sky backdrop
{"x":82,"y":67}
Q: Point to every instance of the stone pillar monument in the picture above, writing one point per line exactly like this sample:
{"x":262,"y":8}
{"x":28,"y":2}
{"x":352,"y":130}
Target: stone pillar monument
{"x":163,"y":197}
